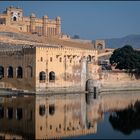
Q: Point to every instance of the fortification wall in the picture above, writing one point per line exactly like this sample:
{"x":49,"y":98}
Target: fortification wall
{"x":113,"y":81}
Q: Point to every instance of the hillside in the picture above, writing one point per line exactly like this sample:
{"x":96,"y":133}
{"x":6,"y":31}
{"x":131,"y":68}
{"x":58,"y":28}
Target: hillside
{"x":9,"y":35}
{"x":133,"y":40}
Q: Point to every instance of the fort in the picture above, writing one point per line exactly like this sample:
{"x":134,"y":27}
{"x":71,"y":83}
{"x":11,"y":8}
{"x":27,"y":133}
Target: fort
{"x":36,"y":57}
{"x":14,"y":17}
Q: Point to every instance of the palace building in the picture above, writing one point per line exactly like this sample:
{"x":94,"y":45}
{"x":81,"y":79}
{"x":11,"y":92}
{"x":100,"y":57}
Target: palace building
{"x":43,"y":63}
{"x":44,"y":68}
{"x":14,"y":17}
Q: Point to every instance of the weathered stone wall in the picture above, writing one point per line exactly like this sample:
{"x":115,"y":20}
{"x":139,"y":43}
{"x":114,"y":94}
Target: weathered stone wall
{"x":114,"y":80}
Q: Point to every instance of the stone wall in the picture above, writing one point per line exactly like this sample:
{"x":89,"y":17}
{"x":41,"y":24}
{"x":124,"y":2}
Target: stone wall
{"x":119,"y":80}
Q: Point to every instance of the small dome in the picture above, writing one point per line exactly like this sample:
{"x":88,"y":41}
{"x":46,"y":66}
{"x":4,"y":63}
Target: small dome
{"x":45,"y":16}
{"x":33,"y":15}
{"x":58,"y":18}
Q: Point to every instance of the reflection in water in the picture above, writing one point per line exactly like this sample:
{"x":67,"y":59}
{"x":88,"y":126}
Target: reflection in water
{"x":126,"y":120}
{"x":44,"y":117}
{"x":56,"y":116}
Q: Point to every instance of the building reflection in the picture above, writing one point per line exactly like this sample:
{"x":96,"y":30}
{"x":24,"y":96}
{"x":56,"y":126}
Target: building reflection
{"x":61,"y":116}
{"x":45,"y":117}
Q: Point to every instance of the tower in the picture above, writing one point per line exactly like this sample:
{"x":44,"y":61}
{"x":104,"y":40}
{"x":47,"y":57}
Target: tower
{"x":32,"y":22}
{"x":45,"y":21}
{"x":15,"y":14}
{"x":58,"y":26}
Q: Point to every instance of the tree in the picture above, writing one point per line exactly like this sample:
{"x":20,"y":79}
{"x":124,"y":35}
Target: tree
{"x":126,"y":58}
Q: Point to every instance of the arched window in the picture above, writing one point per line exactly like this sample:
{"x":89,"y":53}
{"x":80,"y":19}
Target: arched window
{"x":1,"y":112}
{"x":10,"y":72}
{"x":19,"y":72}
{"x":42,"y":76}
{"x":89,"y":58}
{"x":51,"y":76}
{"x":42,"y":110}
{"x":51,"y":109}
{"x":1,"y":72}
{"x":29,"y":71}
{"x":14,"y":19}
{"x":41,"y":59}
{"x":60,"y":59}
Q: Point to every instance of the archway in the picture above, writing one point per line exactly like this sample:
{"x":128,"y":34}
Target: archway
{"x":89,"y":58}
{"x":1,"y":72}
{"x":42,"y":76}
{"x":10,"y":72}
{"x":14,"y":18}
{"x":29,"y":72}
{"x":19,"y":72}
{"x":52,"y":76}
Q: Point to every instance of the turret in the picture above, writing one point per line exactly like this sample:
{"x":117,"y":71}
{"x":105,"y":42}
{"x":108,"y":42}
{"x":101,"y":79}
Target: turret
{"x":58,"y":26}
{"x":45,"y":21}
{"x":32,"y":22}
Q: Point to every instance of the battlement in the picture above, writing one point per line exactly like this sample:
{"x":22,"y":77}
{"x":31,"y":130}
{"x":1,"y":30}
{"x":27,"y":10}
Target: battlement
{"x":44,"y":26}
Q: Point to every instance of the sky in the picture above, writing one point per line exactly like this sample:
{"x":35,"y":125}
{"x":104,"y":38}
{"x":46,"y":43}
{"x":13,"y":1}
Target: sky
{"x":89,"y":19}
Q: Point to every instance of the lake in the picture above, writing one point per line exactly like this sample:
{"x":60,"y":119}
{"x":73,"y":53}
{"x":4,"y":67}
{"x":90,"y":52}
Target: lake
{"x":70,"y":116}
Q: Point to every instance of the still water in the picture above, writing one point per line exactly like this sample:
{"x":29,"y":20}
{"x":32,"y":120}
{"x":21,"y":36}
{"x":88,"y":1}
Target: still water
{"x":71,"y":116}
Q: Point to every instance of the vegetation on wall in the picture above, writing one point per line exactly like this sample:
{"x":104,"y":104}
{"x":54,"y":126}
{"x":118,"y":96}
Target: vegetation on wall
{"x":126,"y":58}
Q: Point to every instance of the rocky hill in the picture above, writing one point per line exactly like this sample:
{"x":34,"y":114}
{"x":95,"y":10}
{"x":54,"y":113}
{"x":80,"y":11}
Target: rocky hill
{"x":133,"y":40}
{"x":9,"y":35}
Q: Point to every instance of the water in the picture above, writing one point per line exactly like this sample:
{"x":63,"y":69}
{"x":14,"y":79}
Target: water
{"x":73,"y":116}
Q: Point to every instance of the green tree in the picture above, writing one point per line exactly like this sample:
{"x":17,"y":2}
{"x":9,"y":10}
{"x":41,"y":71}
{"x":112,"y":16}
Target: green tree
{"x":126,"y":58}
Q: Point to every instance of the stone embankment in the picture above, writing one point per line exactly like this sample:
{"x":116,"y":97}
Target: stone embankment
{"x":119,"y":81}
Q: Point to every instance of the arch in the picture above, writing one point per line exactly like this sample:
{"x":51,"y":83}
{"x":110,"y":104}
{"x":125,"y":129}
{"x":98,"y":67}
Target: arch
{"x":1,"y":72}
{"x":52,"y":76}
{"x":51,"y":109}
{"x":42,"y":110}
{"x":19,"y":72}
{"x":14,"y":18}
{"x":29,"y":71}
{"x":60,"y":59}
{"x":10,"y":72}
{"x":89,"y":58}
{"x":42,"y":76}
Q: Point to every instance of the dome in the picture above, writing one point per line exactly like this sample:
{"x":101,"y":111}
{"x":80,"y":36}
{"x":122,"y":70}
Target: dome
{"x":33,"y":15}
{"x":45,"y":16}
{"x":58,"y":18}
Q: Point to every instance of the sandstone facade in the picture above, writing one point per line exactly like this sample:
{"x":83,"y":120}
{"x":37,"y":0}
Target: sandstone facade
{"x":14,"y":17}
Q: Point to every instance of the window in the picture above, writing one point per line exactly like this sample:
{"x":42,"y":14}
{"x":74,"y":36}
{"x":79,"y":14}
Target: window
{"x":42,"y":110}
{"x":51,"y":109}
{"x":1,"y":72}
{"x":19,"y":114}
{"x":29,"y":72}
{"x":9,"y":113}
{"x":50,"y":127}
{"x":10,"y":72}
{"x":19,"y":72}
{"x":41,"y":59}
{"x":60,"y":59}
{"x":42,"y":76}
{"x":52,"y":76}
{"x":89,"y":58}
{"x":50,"y":59}
{"x":14,"y":19}
{"x":1,"y":112}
